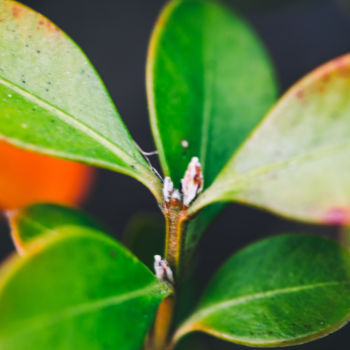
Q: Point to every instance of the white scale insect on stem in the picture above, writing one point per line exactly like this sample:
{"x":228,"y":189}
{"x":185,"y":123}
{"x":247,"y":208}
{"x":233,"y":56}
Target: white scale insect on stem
{"x":191,"y":185}
{"x":192,"y":182}
{"x":162,"y":270}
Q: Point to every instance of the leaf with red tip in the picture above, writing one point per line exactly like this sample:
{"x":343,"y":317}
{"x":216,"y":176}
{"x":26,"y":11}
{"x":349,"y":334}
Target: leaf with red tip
{"x":297,"y":162}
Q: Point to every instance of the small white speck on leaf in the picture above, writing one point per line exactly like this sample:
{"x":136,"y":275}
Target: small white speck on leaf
{"x":184,"y":143}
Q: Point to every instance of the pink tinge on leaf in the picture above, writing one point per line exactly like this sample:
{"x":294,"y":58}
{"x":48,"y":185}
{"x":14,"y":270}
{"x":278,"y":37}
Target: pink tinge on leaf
{"x":192,"y":183}
{"x":337,"y":216}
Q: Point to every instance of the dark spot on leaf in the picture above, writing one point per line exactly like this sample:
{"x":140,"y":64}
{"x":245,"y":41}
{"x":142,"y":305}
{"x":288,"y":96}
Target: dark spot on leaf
{"x":270,"y":333}
{"x":49,"y":82}
{"x":38,"y":51}
{"x":16,"y":10}
{"x":251,"y":333}
{"x":113,"y":253}
{"x":325,"y":77}
{"x":23,"y":81}
{"x":307,"y":326}
{"x":47,"y":90}
{"x":133,"y":166}
{"x":53,"y":121}
{"x":299,"y":94}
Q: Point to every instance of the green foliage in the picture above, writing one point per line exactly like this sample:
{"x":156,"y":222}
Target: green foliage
{"x":78,"y":289}
{"x":202,"y":61}
{"x":44,"y":219}
{"x":53,"y":101}
{"x":305,"y":135}
{"x":280,"y":291}
{"x":209,"y":84}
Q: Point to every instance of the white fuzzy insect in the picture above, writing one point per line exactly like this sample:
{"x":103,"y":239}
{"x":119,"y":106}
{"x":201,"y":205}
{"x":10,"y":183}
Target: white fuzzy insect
{"x":168,"y":189}
{"x":192,"y":182}
{"x":162,"y":270}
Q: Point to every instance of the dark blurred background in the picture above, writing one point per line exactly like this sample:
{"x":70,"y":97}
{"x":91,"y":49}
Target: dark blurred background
{"x":300,"y":35}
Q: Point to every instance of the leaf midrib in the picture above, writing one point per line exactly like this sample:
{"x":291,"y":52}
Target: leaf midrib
{"x":70,"y":120}
{"x":48,"y":320}
{"x":267,"y":294}
{"x":240,"y":181}
{"x":298,"y":159}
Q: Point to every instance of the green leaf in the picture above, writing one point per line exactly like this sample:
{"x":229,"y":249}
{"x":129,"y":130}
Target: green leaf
{"x":77,"y":290}
{"x":54,"y":102}
{"x":43,"y":219}
{"x":280,"y":291}
{"x":209,"y":82}
{"x":296,"y":163}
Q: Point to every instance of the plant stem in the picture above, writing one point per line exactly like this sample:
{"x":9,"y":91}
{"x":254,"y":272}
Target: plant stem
{"x":162,"y":323}
{"x":175,"y":228}
{"x":175,"y":218}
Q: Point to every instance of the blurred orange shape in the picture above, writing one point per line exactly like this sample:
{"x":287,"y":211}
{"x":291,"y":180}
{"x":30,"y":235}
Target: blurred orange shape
{"x":27,"y":177}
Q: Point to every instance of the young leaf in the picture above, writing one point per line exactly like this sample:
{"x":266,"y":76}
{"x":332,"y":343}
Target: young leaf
{"x":296,"y":163}
{"x":77,"y":290}
{"x":255,"y":301}
{"x":53,"y":101}
{"x":43,"y":219}
{"x":209,"y":82}
{"x":27,"y":177}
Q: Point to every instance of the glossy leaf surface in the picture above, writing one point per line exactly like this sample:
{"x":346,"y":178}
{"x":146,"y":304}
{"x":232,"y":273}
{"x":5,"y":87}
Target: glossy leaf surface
{"x":297,"y":162}
{"x":77,"y":290}
{"x":209,"y":82}
{"x":280,"y":291}
{"x":44,"y":219}
{"x":53,"y":101}
{"x":27,"y":177}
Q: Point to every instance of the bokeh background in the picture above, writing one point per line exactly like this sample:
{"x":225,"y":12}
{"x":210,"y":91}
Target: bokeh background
{"x":300,"y":35}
